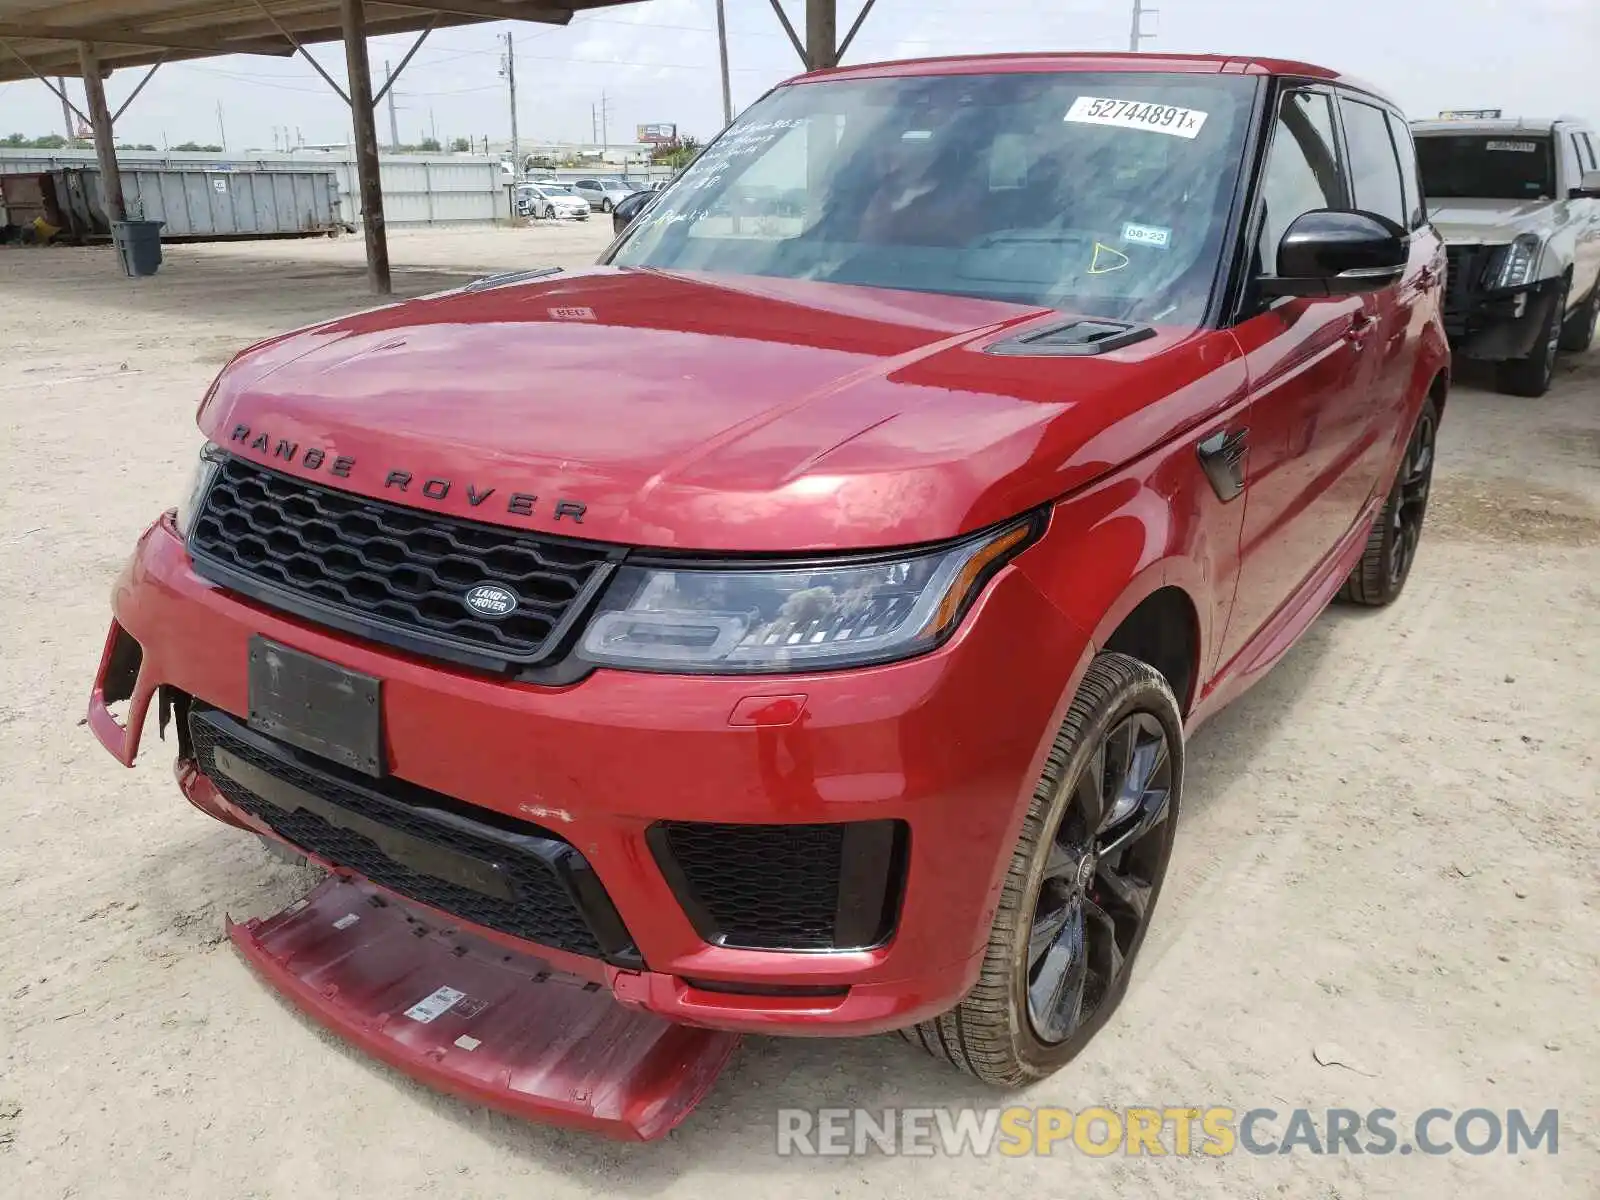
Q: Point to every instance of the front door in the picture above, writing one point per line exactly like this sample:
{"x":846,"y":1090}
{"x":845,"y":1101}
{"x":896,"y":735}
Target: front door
{"x":1309,"y":368}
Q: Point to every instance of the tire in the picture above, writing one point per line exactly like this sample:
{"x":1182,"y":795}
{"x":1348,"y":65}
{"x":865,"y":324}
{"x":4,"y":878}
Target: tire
{"x":994,"y":1032}
{"x":1577,"y":333}
{"x":1380,"y":576}
{"x":605,"y":205}
{"x":1531,"y":376}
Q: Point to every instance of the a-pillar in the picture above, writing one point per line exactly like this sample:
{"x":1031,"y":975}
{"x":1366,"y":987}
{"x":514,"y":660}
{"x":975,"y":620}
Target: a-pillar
{"x":353,"y":17}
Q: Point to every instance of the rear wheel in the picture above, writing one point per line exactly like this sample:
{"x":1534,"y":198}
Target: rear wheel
{"x":1385,"y":566}
{"x":1082,"y":884}
{"x":1577,"y":334}
{"x":1531,"y":376}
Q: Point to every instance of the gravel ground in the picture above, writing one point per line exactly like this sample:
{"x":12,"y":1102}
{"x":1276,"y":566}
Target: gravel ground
{"x":1384,"y":893}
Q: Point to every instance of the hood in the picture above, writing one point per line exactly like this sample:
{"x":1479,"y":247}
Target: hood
{"x":717,"y":413}
{"x":1488,"y":222}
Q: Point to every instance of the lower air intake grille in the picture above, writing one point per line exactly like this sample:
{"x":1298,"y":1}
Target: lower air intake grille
{"x":508,"y":876}
{"x":785,"y":887}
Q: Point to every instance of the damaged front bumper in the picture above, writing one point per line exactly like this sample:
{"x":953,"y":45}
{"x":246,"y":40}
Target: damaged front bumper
{"x":1488,"y":323}
{"x":592,"y":774}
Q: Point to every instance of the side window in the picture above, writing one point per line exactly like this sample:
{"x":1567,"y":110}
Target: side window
{"x":1586,"y":151}
{"x":1416,"y":202}
{"x":1302,"y":172}
{"x":1374,"y":168}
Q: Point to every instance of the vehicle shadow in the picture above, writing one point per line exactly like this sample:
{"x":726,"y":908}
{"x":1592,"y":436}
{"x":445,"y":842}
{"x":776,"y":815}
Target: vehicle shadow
{"x":735,"y":1129}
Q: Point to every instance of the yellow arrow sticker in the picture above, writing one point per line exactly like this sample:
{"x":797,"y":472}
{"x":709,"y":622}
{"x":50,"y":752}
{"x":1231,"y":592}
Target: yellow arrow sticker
{"x":1106,"y":260}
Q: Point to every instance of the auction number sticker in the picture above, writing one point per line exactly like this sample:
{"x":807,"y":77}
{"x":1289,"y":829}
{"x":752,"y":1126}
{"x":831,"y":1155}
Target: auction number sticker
{"x":1137,"y":114}
{"x":1515,"y":147}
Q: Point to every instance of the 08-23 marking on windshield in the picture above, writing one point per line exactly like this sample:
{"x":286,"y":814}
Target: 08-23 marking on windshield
{"x":1137,"y":114}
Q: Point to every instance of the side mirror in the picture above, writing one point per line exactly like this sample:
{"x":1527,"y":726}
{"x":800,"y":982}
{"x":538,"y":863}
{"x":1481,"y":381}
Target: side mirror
{"x":1588,"y":187}
{"x":1332,"y":252}
{"x":628,"y":209}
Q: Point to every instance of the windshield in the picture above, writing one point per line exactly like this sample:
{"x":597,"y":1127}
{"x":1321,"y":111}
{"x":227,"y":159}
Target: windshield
{"x":1101,"y":193}
{"x":1486,"y":167}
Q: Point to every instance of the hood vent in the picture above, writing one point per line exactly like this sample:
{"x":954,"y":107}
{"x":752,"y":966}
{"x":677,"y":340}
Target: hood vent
{"x":507,"y":278}
{"x":1074,"y":337}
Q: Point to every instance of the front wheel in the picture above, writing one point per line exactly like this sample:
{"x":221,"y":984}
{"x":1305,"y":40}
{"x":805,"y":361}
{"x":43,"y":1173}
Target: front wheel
{"x":1531,"y":376}
{"x":1082,"y":884}
{"x":605,"y":206}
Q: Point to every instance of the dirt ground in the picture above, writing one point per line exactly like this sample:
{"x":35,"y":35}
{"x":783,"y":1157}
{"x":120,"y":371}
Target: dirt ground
{"x":1387,"y":861}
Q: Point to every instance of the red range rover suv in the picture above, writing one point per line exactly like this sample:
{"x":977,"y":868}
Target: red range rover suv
{"x":794,"y":622}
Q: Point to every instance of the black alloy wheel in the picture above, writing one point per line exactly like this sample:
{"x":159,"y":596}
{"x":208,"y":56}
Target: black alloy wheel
{"x":1391,"y":549}
{"x":1103,"y":865}
{"x":1081,"y":885}
{"x":1415,"y":481}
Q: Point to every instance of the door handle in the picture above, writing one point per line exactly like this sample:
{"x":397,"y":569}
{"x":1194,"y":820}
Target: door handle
{"x":1360,"y":327}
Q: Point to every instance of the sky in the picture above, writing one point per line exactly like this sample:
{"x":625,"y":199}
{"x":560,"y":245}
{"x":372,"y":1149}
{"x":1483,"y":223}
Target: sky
{"x":657,"y":62}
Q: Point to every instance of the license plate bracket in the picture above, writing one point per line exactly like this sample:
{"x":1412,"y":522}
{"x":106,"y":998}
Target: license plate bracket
{"x":316,"y":706}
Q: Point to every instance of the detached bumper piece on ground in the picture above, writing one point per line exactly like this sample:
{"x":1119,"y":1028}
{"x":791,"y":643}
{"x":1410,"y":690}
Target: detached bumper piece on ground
{"x":479,"y":1020}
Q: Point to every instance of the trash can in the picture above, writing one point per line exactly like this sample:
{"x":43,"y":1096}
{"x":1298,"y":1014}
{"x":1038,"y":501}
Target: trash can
{"x":138,"y":245}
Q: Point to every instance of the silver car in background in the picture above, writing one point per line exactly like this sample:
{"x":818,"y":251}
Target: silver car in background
{"x":542,"y":201}
{"x":604,"y":194}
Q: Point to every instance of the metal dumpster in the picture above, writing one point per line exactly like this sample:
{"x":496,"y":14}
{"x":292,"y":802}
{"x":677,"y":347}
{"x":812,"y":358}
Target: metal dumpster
{"x":205,"y":205}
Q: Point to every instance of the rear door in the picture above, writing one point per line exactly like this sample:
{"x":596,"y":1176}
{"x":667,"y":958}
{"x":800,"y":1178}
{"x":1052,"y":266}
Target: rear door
{"x":1306,"y":359}
{"x":1383,"y":179}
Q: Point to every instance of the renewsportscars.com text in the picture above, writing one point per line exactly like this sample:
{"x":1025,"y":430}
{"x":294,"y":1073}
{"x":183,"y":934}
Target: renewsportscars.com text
{"x":1179,"y":1131}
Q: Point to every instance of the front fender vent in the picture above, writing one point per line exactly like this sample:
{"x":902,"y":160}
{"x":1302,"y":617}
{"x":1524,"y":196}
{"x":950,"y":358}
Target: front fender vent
{"x":1076,"y":337}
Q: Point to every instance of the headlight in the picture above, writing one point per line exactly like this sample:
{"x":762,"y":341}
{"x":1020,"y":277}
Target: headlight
{"x":205,"y":470}
{"x":1517,"y":262}
{"x":745,"y":619}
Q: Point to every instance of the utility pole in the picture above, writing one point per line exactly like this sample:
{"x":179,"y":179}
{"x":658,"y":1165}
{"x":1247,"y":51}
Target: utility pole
{"x":508,"y":68}
{"x":822,"y":34}
{"x":66,"y":109}
{"x":94,"y":89}
{"x":604,"y":140}
{"x":394,"y":121}
{"x":222,"y":130}
{"x":1136,"y":33}
{"x":353,"y":19}
{"x":722,"y":48}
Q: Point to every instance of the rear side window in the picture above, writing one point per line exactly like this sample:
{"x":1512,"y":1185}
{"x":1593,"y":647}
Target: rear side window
{"x":1586,"y":148}
{"x":1302,"y":168}
{"x":1416,"y":202}
{"x":1374,"y":166}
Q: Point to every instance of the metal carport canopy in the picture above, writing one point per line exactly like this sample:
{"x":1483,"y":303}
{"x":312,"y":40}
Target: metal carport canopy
{"x":90,"y":38}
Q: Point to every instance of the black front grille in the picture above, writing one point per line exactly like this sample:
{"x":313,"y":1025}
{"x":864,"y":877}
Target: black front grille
{"x":396,"y":575}
{"x":1464,"y":266}
{"x":554,"y":897}
{"x":785,"y":887}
